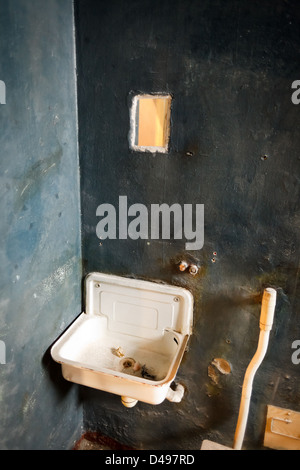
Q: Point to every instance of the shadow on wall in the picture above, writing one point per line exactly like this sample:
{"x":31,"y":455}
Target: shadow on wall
{"x":53,"y":370}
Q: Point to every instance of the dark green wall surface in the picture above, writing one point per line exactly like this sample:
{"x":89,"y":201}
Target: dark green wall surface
{"x":40,"y":222}
{"x":234,"y":148}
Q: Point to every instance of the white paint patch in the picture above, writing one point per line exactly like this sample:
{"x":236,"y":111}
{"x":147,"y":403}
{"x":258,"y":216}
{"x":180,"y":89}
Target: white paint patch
{"x":57,"y":278}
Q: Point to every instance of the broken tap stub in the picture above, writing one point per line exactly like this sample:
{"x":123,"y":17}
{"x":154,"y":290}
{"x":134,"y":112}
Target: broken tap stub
{"x":183,"y":265}
{"x":130,"y":340}
{"x":193,"y":269}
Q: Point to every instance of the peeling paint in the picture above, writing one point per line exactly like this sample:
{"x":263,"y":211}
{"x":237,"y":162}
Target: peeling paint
{"x":222,"y":365}
{"x":57,"y":278}
{"x":212,"y":374}
{"x":216,"y":367}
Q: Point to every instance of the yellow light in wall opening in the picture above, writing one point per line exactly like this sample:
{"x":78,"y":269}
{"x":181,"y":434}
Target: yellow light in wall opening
{"x":150,"y":123}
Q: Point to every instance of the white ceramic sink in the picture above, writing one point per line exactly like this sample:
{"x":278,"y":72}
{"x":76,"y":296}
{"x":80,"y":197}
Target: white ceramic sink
{"x":131,"y":338}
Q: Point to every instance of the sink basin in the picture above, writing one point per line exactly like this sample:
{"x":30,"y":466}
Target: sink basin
{"x":131,"y":338}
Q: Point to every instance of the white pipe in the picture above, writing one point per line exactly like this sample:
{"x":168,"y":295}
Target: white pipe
{"x":175,"y":395}
{"x":265,"y":324}
{"x":172,"y":395}
{"x":129,"y":402}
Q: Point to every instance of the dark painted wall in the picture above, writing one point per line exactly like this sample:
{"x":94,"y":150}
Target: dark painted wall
{"x":235,"y":149}
{"x":40,"y":222}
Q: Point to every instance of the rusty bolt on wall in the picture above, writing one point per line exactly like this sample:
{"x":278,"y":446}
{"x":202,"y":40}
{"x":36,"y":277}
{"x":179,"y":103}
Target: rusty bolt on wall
{"x":183,"y":265}
{"x":193,"y":268}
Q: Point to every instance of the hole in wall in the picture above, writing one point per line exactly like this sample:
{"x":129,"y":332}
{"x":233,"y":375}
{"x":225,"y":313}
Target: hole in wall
{"x":150,"y":123}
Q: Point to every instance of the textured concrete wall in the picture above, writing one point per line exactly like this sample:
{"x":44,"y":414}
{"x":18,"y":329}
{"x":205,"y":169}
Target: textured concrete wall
{"x":235,"y":149}
{"x":40,"y":221}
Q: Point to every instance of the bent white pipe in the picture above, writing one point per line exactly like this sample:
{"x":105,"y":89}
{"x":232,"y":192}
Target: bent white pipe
{"x":265,"y":324}
{"x":172,"y":395}
{"x":175,"y":395}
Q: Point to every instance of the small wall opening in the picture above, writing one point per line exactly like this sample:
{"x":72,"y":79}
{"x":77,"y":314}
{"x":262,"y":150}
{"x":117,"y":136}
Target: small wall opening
{"x":150,"y":123}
